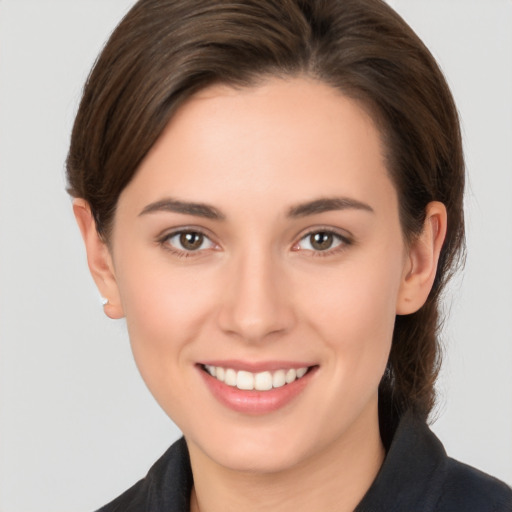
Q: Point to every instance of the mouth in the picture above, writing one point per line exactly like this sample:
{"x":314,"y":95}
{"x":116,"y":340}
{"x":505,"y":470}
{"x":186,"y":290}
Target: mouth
{"x":270,"y":388}
{"x":260,"y":381}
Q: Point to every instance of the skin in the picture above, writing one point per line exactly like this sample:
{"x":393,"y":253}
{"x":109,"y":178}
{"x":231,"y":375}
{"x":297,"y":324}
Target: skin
{"x":257,"y":290}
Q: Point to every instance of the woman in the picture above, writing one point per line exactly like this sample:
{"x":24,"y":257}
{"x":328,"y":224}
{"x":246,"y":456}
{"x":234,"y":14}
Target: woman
{"x":271,"y":194}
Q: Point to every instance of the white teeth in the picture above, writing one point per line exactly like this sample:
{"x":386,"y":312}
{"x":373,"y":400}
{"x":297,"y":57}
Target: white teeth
{"x":301,"y":372}
{"x":211,"y":370}
{"x":279,"y":379}
{"x":291,"y":375}
{"x":262,"y":381}
{"x":245,"y":380}
{"x":230,"y":377}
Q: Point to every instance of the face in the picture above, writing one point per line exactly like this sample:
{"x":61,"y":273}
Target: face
{"x":260,"y":242}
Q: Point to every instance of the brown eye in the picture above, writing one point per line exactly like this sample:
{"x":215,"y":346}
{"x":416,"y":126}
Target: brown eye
{"x":188,"y":241}
{"x":321,"y":241}
{"x":191,"y":241}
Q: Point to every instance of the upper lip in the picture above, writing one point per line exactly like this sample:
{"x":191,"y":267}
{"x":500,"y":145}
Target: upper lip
{"x":257,"y":366}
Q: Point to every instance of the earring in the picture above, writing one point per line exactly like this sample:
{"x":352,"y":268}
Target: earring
{"x":104,"y":301}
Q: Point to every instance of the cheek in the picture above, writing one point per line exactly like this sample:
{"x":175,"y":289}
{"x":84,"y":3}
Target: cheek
{"x":165,"y":312}
{"x":165,"y":308}
{"x":353,"y":310}
{"x":357,"y":297}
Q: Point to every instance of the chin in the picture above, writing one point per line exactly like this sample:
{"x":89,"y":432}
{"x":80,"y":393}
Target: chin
{"x":258,"y":459}
{"x":262,"y":450}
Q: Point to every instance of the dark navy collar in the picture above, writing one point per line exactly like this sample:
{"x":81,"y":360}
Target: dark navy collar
{"x":411,"y":477}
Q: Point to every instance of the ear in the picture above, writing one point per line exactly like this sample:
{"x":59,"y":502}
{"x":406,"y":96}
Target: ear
{"x":99,"y":259}
{"x":421,"y":263}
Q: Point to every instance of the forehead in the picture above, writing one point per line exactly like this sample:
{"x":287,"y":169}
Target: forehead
{"x":290,"y":139}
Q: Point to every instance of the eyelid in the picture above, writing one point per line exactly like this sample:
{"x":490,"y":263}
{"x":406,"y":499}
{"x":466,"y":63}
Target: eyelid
{"x":163,"y":238}
{"x":345,"y":238}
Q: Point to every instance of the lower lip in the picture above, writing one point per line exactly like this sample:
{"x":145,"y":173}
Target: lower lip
{"x":256,"y":402}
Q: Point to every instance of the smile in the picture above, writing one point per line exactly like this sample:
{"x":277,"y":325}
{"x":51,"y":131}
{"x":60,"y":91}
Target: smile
{"x":261,"y":381}
{"x":269,"y":387}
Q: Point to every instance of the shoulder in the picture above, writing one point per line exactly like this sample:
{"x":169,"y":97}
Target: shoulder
{"x":132,"y":500}
{"x":466,"y":488}
{"x":166,"y":487}
{"x":418,"y":476}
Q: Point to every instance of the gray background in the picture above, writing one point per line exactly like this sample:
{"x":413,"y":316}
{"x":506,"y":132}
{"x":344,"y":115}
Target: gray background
{"x":77,"y":425}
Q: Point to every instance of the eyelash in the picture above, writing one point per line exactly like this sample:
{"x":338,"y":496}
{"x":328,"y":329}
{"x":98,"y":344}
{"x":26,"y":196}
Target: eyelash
{"x":164,"y":241}
{"x":343,"y":240}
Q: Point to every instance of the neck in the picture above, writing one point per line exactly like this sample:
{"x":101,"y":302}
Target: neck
{"x":334,"y":480}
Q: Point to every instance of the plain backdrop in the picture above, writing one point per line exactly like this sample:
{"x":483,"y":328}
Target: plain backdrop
{"x":77,"y":425}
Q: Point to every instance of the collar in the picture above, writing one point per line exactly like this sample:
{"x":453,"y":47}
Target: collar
{"x":411,"y":476}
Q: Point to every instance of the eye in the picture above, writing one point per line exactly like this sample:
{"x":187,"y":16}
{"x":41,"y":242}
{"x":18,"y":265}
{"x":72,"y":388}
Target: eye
{"x":188,"y":241}
{"x":321,"y":241}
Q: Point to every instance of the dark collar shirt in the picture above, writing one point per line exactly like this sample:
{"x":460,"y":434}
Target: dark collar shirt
{"x":417,"y":476}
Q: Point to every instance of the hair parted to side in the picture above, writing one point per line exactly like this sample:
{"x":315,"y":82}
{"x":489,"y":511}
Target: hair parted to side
{"x":164,"y":51}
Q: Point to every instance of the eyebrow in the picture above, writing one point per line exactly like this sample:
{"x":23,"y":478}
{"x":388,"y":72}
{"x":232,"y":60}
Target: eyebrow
{"x":187,"y":208}
{"x":327,"y":205}
{"x":301,"y":210}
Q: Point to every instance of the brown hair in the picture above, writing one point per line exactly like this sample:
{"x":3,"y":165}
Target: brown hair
{"x":166,"y":50}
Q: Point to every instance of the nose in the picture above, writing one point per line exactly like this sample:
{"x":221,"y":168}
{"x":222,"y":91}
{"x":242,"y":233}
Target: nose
{"x":257,"y":303}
